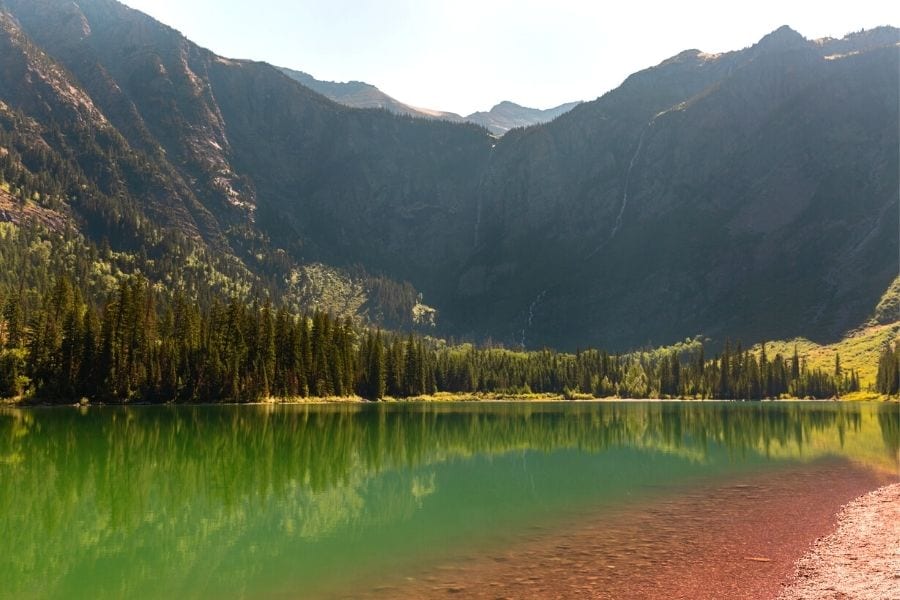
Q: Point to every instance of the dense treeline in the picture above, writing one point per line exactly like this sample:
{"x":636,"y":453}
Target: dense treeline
{"x":887,"y":381}
{"x":735,"y":374}
{"x":145,"y":345}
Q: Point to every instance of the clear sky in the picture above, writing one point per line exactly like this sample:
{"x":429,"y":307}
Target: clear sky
{"x":467,"y":55}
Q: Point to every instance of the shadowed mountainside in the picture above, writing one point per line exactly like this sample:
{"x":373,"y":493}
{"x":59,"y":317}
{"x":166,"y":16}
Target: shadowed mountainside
{"x":751,"y":194}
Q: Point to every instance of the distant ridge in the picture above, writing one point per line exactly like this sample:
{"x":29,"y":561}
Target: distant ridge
{"x":498,"y":120}
{"x":509,"y":115}
{"x":358,"y":94}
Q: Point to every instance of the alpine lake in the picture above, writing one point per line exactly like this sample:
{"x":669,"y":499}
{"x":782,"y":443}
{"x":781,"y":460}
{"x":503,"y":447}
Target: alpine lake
{"x":388,"y":499}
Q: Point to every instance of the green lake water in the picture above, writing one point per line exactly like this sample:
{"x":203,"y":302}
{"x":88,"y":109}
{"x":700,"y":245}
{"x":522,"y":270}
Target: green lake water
{"x":307,"y":500}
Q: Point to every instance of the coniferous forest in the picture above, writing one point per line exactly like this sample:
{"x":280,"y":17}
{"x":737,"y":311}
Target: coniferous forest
{"x":145,"y":346}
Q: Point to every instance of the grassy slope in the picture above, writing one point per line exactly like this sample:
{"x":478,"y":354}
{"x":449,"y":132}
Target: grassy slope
{"x":859,"y":349}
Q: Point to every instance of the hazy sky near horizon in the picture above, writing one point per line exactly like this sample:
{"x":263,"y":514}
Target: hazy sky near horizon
{"x":467,"y":55}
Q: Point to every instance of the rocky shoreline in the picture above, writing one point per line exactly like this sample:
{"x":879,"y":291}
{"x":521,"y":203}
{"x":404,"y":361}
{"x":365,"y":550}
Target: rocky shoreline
{"x":860,"y":560}
{"x":738,"y":539}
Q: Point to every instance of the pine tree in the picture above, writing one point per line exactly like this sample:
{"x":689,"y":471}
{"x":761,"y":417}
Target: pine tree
{"x":374,"y":375}
{"x":305,"y":366}
{"x":395,"y":364}
{"x":421,"y":369}
{"x":795,"y":365}
{"x":12,"y":314}
{"x":320,"y":381}
{"x":724,"y":386}
{"x":105,"y":366}
{"x":411,"y":369}
{"x":375,"y":367}
{"x":88,"y":382}
{"x":267,"y":349}
{"x":70,"y":350}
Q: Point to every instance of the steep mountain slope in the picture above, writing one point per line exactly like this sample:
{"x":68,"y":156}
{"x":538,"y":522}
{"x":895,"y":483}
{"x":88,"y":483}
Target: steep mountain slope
{"x":500,"y":119}
{"x":751,"y":194}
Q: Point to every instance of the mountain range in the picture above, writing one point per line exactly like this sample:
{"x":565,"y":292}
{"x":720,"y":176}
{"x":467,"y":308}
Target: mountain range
{"x":498,"y":120}
{"x":750,"y":194}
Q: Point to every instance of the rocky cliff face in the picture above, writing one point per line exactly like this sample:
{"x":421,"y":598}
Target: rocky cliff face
{"x":750,"y":194}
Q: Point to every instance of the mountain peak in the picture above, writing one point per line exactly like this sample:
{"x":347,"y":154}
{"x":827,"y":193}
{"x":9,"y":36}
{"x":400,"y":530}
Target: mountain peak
{"x":506,"y":104}
{"x":508,"y":115}
{"x":783,"y":38}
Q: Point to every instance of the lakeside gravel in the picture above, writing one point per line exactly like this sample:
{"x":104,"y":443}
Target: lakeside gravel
{"x":860,"y":560}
